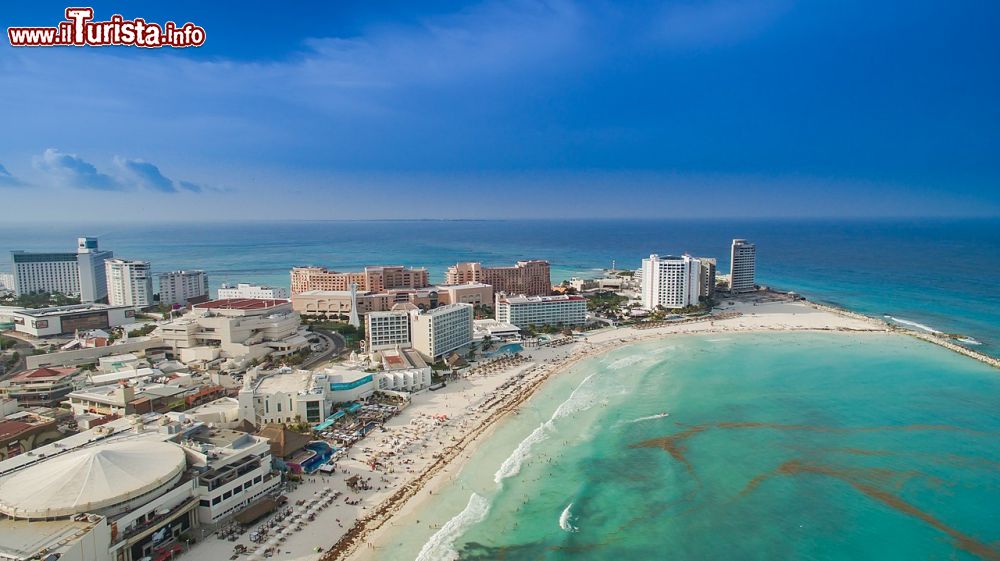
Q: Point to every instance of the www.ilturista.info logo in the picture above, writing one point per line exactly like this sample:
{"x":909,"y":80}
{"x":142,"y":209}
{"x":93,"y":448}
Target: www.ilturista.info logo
{"x":80,"y":30}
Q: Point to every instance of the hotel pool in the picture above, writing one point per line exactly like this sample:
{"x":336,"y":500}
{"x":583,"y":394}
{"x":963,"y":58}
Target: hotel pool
{"x":508,"y":349}
{"x":321,"y":453}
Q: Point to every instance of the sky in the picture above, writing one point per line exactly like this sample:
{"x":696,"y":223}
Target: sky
{"x":513,"y":109}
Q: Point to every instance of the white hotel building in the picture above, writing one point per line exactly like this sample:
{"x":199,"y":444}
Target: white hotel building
{"x":80,"y":273}
{"x":130,"y":283}
{"x":182,"y":287}
{"x":743,"y":264}
{"x":252,"y":291}
{"x":670,"y":281}
{"x":435,"y":333}
{"x":388,"y":330}
{"x":524,"y":311}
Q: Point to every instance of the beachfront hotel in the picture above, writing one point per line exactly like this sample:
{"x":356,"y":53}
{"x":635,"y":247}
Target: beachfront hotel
{"x":77,"y":274}
{"x":670,"y":281}
{"x":390,"y":329}
{"x":183,"y":287}
{"x":130,"y":283}
{"x":525,"y":277}
{"x":743,"y":263}
{"x":435,"y":333}
{"x":524,"y":311}
{"x":372,"y":279}
{"x":252,"y":291}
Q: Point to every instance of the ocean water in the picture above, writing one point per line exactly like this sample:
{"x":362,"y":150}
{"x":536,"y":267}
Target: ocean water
{"x":938,"y":273}
{"x":743,"y":446}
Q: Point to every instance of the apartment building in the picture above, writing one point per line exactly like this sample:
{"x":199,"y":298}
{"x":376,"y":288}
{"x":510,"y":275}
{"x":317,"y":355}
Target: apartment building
{"x":181,"y":288}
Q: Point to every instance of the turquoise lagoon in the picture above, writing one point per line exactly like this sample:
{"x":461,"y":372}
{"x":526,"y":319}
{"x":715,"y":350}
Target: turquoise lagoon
{"x":743,"y":446}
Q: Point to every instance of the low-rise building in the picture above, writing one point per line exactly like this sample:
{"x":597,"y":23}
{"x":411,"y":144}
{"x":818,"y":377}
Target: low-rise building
{"x":235,"y":328}
{"x":442,"y":330}
{"x":24,"y":431}
{"x":57,"y":320}
{"x":524,"y":311}
{"x":403,"y":370}
{"x":495,"y":330}
{"x":252,"y":291}
{"x":41,"y":387}
{"x":289,"y":396}
{"x":475,"y":293}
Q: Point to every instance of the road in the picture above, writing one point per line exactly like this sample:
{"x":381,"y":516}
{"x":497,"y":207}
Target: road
{"x":23,"y":349}
{"x":335,"y":344}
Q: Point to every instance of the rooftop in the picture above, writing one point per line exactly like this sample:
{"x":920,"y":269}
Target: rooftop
{"x":74,"y":308}
{"x":542,"y":299}
{"x":239,"y":304}
{"x":90,"y":478}
{"x":44,"y":373}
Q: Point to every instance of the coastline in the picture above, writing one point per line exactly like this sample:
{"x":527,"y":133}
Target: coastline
{"x":371,"y":530}
{"x":421,"y":456}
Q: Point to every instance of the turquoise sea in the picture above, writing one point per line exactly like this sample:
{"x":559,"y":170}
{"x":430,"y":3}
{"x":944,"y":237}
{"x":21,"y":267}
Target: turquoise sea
{"x":743,"y":446}
{"x":938,"y":273}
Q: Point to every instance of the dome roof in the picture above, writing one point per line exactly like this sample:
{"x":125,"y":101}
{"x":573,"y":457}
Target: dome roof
{"x":90,"y":479}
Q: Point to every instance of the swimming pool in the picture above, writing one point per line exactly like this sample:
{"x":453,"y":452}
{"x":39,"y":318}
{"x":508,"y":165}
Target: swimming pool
{"x":321,"y":453}
{"x":508,"y":349}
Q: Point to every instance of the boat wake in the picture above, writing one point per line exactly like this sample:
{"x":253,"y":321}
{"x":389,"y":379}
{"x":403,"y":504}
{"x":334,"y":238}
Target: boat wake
{"x":441,"y":546}
{"x":564,"y":520}
{"x":650,"y":417}
{"x":914,"y":324}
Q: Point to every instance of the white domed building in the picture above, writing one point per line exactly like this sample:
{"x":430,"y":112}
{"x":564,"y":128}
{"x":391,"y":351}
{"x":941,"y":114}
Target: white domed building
{"x":132,"y":489}
{"x":106,"y":480}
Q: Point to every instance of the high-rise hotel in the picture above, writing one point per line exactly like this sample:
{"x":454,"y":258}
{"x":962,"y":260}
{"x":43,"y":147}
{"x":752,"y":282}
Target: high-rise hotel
{"x":75,"y":274}
{"x":670,"y":281}
{"x":743,"y":264}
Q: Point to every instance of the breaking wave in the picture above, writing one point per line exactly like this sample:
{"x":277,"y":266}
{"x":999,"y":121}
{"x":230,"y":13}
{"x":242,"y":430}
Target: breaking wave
{"x":919,"y":326}
{"x":441,"y":546}
{"x":564,"y":519}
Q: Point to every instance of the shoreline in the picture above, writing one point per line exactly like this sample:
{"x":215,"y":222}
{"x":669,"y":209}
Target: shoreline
{"x":367,"y":530}
{"x":370,"y":530}
{"x":937,"y":340}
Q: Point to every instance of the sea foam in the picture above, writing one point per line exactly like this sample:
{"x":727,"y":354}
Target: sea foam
{"x":578,"y":400}
{"x":441,"y":546}
{"x":564,"y":519}
{"x":919,"y":326}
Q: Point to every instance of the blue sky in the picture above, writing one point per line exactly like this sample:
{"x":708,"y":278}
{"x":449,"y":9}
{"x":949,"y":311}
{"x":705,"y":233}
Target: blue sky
{"x":511,"y":109}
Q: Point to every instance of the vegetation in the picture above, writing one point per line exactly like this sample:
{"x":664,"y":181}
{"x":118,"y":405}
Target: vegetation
{"x":606,"y":303}
{"x":353,"y":335}
{"x":142,"y":331}
{"x":6,"y":342}
{"x":38,"y":300}
{"x":534,"y":330}
{"x":482,"y":311}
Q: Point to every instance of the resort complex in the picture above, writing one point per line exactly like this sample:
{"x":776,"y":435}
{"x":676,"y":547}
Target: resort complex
{"x":255,"y":424}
